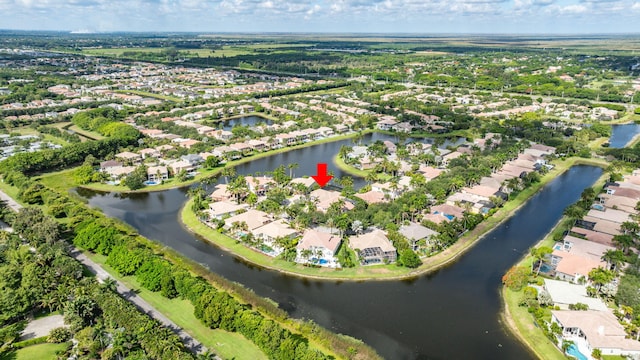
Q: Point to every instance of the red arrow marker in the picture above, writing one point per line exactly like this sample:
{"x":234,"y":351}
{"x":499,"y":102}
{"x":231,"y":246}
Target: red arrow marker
{"x":322,"y":178}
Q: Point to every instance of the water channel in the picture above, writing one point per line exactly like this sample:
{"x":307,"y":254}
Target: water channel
{"x":449,"y":314}
{"x":622,"y":134}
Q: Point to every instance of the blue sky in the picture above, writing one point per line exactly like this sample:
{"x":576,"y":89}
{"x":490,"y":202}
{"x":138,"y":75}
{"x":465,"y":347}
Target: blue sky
{"x":370,"y":16}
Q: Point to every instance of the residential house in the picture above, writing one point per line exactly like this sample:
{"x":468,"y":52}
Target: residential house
{"x":129,"y":157}
{"x":416,"y":233}
{"x":221,"y":193}
{"x":307,"y":182}
{"x":373,"y":247}
{"x":259,"y":185}
{"x":574,"y":258}
{"x":372,"y":197}
{"x":253,"y":218}
{"x":221,"y":209}
{"x":109,"y":164}
{"x":386,"y":123}
{"x":157,"y":173}
{"x":194,"y":159}
{"x":564,"y":294}
{"x":118,"y":172}
{"x":180,"y":165}
{"x":271,"y":232}
{"x":257,"y":145}
{"x":146,"y":153}
{"x":322,"y":247}
{"x":593,"y":329}
{"x":325,"y":198}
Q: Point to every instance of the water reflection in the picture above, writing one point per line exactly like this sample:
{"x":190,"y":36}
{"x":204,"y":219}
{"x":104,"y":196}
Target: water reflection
{"x":449,"y":314}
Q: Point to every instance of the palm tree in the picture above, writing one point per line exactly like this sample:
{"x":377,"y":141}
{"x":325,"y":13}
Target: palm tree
{"x":615,"y":258}
{"x":228,"y":172}
{"x":110,"y":284}
{"x":291,"y":167}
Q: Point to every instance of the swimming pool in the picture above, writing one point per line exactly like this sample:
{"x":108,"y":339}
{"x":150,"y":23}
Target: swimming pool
{"x":573,"y":351}
{"x":597,"y":207}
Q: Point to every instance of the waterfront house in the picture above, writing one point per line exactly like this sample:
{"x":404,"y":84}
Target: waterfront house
{"x":325,"y":198}
{"x":271,"y":232}
{"x":221,"y":209}
{"x":259,"y":185}
{"x":416,"y":233}
{"x":109,"y":164}
{"x":564,"y":294}
{"x":593,"y":329}
{"x":157,"y":173}
{"x":373,"y":247}
{"x":574,"y":258}
{"x":322,"y":248}
{"x":253,"y":218}
{"x":221,"y":193}
{"x":387,"y":123}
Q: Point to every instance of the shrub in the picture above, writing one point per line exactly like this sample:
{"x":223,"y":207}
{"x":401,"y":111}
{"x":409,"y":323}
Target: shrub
{"x":59,"y":335}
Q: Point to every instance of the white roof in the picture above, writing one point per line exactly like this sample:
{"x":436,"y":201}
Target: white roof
{"x":564,"y":293}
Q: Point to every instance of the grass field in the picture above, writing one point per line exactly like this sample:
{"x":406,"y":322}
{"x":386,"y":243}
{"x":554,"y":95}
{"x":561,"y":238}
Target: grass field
{"x":227,"y":345}
{"x":84,"y":133}
{"x":35,"y":352}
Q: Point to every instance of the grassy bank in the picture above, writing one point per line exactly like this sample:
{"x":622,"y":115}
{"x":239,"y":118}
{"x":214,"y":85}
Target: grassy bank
{"x":380,"y":272}
{"x":227,"y":345}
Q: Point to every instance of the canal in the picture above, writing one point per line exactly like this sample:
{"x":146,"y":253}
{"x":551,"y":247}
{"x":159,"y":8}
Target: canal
{"x":452,"y":313}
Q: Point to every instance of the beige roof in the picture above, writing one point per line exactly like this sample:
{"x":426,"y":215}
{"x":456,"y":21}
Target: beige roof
{"x":224,"y":207}
{"x":253,"y":218}
{"x":317,"y":239}
{"x":617,"y":216}
{"x":415,"y":231}
{"x":620,"y":202}
{"x":481,"y":190}
{"x":595,"y":236}
{"x":308,"y":182}
{"x":373,"y":239}
{"x":605,"y":226}
{"x":572,"y":264}
{"x":120,"y":170}
{"x":128,"y":155}
{"x":372,"y":197}
{"x":601,"y":328}
{"x":447,"y":209}
{"x":220,"y":192}
{"x":626,"y":192}
{"x":275,"y":229}
{"x":151,"y":170}
{"x":587,"y":248}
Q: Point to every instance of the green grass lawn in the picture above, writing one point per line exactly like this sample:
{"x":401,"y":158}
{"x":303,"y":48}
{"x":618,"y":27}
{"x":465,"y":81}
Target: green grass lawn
{"x":88,"y":134}
{"x":228,"y":345}
{"x":35,"y":352}
{"x":531,"y":335}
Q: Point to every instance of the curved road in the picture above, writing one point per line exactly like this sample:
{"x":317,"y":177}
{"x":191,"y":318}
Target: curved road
{"x":129,"y":294}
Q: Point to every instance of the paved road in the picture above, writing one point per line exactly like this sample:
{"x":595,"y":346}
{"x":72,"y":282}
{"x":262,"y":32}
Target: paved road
{"x":129,"y":294}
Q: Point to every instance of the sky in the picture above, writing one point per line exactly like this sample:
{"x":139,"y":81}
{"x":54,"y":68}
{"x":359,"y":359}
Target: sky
{"x":326,"y":16}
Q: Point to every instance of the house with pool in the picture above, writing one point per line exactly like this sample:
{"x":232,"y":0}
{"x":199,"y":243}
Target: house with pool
{"x":593,"y":329}
{"x":318,"y":248}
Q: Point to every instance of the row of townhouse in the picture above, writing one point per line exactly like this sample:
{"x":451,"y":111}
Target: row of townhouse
{"x":478,"y":198}
{"x":575,"y":256}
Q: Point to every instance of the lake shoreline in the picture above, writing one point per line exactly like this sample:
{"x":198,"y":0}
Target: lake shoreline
{"x":446,"y":257}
